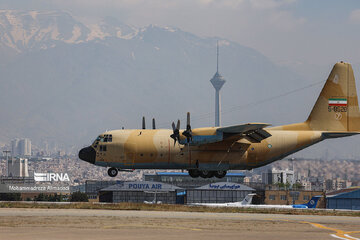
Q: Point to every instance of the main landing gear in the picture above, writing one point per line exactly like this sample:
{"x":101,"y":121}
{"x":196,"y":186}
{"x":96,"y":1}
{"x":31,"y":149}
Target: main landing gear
{"x":112,"y":172}
{"x":194,"y":173}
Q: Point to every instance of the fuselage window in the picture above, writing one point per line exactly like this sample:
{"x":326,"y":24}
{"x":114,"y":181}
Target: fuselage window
{"x":102,"y":148}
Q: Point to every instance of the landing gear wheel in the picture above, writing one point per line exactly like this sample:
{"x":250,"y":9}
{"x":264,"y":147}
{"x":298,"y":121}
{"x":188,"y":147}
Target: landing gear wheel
{"x":206,"y":174}
{"x":220,"y":174}
{"x":194,"y":173}
{"x":112,"y":172}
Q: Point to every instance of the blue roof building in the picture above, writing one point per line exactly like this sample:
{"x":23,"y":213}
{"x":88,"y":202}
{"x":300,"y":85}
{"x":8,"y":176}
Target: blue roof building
{"x":344,"y":199}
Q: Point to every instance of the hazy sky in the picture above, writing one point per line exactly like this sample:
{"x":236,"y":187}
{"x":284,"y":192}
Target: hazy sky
{"x":290,"y":32}
{"x":300,"y":34}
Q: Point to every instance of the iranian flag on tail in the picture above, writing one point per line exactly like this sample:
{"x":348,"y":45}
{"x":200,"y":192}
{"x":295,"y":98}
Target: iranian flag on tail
{"x":337,"y":102}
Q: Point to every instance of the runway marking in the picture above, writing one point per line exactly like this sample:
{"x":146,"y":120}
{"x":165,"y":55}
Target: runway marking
{"x":340,"y":234}
{"x":150,"y":226}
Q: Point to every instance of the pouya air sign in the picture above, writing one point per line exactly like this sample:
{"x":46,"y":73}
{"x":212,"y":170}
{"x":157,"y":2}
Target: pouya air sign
{"x":144,"y":186}
{"x":51,"y":177}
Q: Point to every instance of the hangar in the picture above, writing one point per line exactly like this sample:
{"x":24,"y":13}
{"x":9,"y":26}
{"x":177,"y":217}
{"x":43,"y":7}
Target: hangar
{"x":348,"y":198}
{"x":150,"y":191}
{"x":220,"y":192}
{"x":139,"y":192}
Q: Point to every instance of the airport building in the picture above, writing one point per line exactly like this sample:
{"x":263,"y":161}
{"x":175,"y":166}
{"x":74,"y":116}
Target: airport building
{"x":172,"y":187}
{"x":348,"y":198}
{"x":287,"y":197}
{"x":220,"y":192}
{"x":183,"y":179}
{"x":140,"y":192}
{"x":92,"y":187}
{"x":154,"y":192}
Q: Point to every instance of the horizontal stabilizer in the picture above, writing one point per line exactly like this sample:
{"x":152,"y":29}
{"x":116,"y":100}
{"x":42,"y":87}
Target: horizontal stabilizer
{"x":338,"y":134}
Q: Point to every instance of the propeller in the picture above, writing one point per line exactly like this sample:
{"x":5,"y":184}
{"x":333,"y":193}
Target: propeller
{"x":176,"y":133}
{"x":188,"y":133}
{"x":153,"y":124}
{"x":143,"y":123}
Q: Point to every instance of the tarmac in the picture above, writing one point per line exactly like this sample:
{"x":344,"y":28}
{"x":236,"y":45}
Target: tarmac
{"x":31,"y":224}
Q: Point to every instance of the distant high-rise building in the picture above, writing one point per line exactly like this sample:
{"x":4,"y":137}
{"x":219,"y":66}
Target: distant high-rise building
{"x":217,"y":81}
{"x":18,"y":167}
{"x":15,"y":147}
{"x":21,"y":147}
{"x":273,"y":176}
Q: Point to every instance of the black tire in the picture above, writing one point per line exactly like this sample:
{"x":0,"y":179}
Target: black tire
{"x":220,"y":174}
{"x":112,"y":172}
{"x":194,"y":173}
{"x":206,"y":174}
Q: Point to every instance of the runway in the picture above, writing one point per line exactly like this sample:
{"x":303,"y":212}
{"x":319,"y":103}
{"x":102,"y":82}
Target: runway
{"x":31,"y":224}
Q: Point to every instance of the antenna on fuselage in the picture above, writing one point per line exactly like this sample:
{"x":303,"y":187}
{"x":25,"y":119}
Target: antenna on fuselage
{"x":143,"y":123}
{"x":153,"y":124}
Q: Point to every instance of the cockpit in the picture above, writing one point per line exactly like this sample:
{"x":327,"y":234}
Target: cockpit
{"x":104,"y":138}
{"x":99,"y":146}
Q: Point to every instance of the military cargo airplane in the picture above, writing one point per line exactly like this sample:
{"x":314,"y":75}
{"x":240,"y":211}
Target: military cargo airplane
{"x":212,"y":151}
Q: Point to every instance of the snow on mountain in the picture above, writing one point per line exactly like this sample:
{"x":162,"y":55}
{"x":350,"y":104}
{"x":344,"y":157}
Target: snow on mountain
{"x":22,"y":30}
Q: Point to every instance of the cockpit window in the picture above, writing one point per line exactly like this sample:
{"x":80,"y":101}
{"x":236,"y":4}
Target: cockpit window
{"x":108,"y":138}
{"x":105,"y":138}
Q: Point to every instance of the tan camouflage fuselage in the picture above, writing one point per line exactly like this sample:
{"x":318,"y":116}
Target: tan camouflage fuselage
{"x":335,"y":114}
{"x":154,"y":149}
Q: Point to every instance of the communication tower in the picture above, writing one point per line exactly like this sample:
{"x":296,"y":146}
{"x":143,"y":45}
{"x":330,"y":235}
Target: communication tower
{"x":217,"y":81}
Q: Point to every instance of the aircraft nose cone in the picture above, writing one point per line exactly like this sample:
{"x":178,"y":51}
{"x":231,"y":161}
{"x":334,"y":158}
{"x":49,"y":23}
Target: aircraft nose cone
{"x":87,"y":154}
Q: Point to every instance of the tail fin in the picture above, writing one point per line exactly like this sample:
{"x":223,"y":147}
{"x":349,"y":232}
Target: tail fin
{"x":337,"y":107}
{"x":248,"y":199}
{"x":313,"y":202}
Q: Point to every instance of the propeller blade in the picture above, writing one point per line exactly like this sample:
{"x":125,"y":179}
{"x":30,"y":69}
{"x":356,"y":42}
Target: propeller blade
{"x":143,"y":123}
{"x":188,"y":133}
{"x":176,"y":133}
{"x":153,"y":124}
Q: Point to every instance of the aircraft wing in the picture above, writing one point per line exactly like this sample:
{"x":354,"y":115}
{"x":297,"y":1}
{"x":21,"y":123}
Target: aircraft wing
{"x":253,"y":132}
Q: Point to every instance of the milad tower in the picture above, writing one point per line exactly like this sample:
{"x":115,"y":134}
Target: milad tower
{"x":217,"y":81}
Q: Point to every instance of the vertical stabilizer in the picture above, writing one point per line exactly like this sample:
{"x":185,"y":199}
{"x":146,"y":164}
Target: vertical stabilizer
{"x":337,"y":107}
{"x":248,"y":199}
{"x":313,"y":202}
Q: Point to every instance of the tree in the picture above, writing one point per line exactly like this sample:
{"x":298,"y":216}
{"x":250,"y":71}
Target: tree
{"x":41,"y":197}
{"x":298,"y":186}
{"x":10,"y":197}
{"x":79,"y":197}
